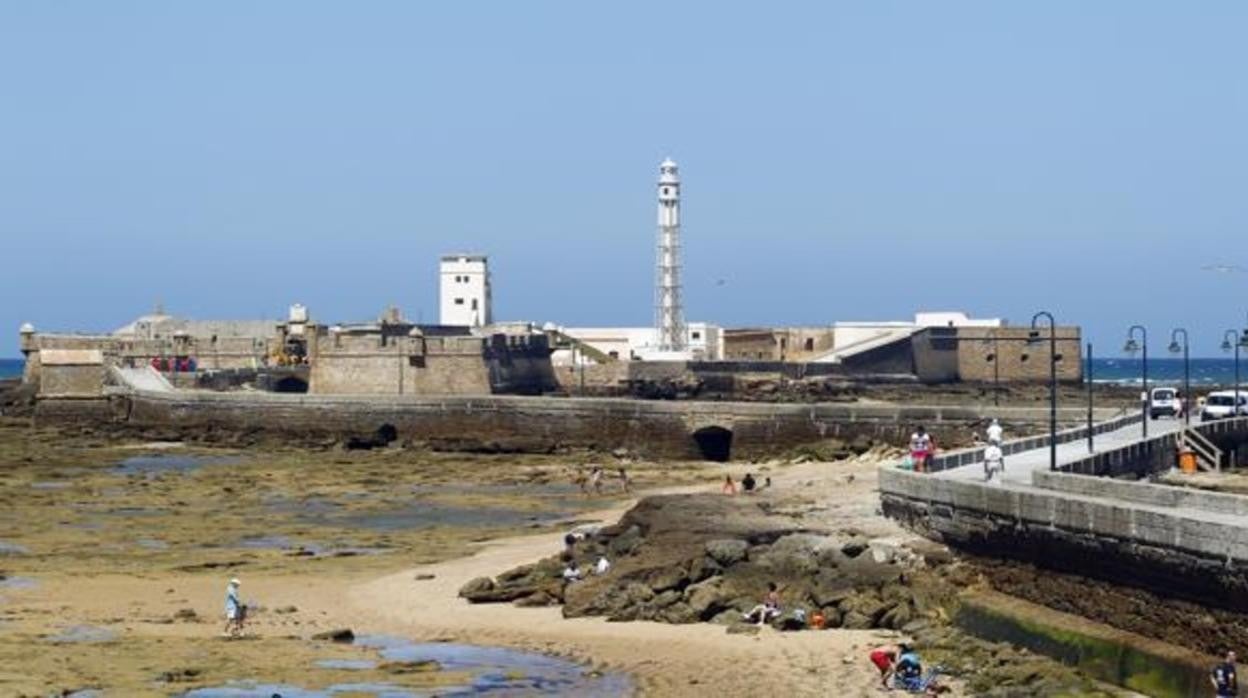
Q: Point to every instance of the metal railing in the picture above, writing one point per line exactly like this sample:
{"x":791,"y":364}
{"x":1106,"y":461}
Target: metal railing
{"x":969,"y":456}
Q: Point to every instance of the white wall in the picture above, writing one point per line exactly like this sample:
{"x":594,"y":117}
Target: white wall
{"x":464,"y":291}
{"x":631,"y":343}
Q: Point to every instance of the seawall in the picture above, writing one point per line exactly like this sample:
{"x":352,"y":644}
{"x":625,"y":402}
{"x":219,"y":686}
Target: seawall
{"x":652,"y":429}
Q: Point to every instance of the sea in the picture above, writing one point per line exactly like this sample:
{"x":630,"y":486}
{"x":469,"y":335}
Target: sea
{"x":11,"y":368}
{"x":1168,"y":371}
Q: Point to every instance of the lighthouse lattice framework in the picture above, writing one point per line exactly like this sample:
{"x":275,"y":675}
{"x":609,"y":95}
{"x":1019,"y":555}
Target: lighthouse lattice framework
{"x":669,"y":314}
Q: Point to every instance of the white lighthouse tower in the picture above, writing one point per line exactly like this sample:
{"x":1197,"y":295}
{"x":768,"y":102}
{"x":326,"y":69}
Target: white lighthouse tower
{"x":669,"y":314}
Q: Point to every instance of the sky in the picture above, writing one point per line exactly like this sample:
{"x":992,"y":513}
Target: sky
{"x":840,"y":161}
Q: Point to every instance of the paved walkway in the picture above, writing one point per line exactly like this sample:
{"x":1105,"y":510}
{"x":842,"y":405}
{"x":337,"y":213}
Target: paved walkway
{"x":1018,"y":467}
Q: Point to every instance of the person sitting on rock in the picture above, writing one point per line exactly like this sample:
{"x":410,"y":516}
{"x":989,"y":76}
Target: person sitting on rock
{"x":748,"y":483}
{"x":602,"y":566}
{"x":729,"y":487}
{"x":572,"y":573}
{"x":769,"y":609}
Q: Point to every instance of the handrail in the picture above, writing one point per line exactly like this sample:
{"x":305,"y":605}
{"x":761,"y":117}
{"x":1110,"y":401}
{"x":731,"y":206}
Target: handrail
{"x":1202,"y":446}
{"x":975,"y":454}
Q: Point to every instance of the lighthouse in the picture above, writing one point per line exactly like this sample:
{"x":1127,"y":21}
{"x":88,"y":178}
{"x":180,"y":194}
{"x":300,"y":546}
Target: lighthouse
{"x":669,"y":315}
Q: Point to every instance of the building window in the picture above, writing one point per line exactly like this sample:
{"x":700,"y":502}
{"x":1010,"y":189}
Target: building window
{"x":474,"y":303}
{"x":696,"y":335}
{"x":810,"y":344}
{"x":459,"y":301}
{"x":614,"y":354}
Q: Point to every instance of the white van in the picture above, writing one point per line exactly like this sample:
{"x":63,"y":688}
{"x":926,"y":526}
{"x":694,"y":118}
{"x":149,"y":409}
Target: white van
{"x":1221,"y":404}
{"x":1164,"y":403}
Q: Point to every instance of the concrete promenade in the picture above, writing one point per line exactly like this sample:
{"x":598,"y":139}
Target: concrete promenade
{"x":1019,"y":466}
{"x":1110,"y":523}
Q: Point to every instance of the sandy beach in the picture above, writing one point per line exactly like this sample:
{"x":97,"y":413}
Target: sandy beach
{"x":84,"y":607}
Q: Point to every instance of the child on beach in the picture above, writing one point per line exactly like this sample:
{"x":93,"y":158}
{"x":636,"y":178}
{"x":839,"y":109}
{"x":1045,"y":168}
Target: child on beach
{"x":885,"y":659}
{"x":921,"y":447}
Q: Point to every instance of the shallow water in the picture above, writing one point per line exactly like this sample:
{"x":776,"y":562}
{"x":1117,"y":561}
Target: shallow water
{"x":169,"y":463}
{"x":495,"y":670}
{"x":248,"y":689}
{"x":427,"y":514}
{"x":18,"y":583}
{"x":416,"y":514}
{"x":309,"y":548}
{"x":49,"y":485}
{"x":83,"y":634}
{"x":7,"y":548}
{"x":348,"y":664}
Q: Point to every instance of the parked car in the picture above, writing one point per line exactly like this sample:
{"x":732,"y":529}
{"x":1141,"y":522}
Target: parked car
{"x":1165,"y":402}
{"x":1221,"y":404}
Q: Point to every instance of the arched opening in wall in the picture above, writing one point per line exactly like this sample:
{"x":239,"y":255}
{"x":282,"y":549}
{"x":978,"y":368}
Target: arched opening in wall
{"x":384,"y":436}
{"x":291,"y":384}
{"x":714,"y":443}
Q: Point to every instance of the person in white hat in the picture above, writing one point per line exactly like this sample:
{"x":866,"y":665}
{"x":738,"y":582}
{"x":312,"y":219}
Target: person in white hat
{"x":235,"y":611}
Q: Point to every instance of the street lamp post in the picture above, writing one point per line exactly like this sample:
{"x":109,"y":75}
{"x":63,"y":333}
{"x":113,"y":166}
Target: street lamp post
{"x":1131,"y":347}
{"x":1231,"y":339}
{"x":995,"y":358}
{"x":1091,"y":448}
{"x":1175,"y":348}
{"x":1052,"y":380}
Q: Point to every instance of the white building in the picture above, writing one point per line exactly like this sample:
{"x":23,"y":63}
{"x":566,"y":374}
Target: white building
{"x":703,"y":342}
{"x":464,"y":291}
{"x":852,"y":338}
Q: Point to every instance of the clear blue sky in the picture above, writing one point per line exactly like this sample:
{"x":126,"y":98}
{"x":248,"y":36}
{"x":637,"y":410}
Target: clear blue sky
{"x":840,"y":160}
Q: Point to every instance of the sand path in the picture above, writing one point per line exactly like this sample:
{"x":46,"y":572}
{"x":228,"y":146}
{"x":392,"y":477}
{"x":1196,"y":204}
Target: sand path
{"x":664,"y":659}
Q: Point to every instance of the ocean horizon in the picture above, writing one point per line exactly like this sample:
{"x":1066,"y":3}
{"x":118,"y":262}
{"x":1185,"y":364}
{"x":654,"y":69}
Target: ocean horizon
{"x":11,"y":368}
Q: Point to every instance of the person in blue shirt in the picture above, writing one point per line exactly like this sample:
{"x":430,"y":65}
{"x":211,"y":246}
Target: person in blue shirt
{"x":235,"y":612}
{"x":909,"y":668}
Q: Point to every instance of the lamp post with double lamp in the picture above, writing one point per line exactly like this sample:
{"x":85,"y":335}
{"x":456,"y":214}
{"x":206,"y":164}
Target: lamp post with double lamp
{"x":1034,"y":335}
{"x":1175,"y":348}
{"x":1131,"y":347}
{"x":1231,"y":339}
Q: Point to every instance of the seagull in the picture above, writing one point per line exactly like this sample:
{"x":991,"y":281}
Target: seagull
{"x":1224,"y":268}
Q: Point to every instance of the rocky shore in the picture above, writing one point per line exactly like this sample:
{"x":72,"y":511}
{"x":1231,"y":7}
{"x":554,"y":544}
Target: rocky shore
{"x":708,"y":558}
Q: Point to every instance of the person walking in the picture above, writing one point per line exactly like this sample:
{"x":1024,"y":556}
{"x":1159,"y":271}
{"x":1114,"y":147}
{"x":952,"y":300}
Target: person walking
{"x":994,"y":461}
{"x":625,"y":483}
{"x":1224,"y":678}
{"x":996,"y":435}
{"x":235,"y":611}
{"x":920,"y":448}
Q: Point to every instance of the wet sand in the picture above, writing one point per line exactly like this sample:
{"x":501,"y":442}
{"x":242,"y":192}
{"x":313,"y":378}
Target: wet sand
{"x":120,"y":572}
